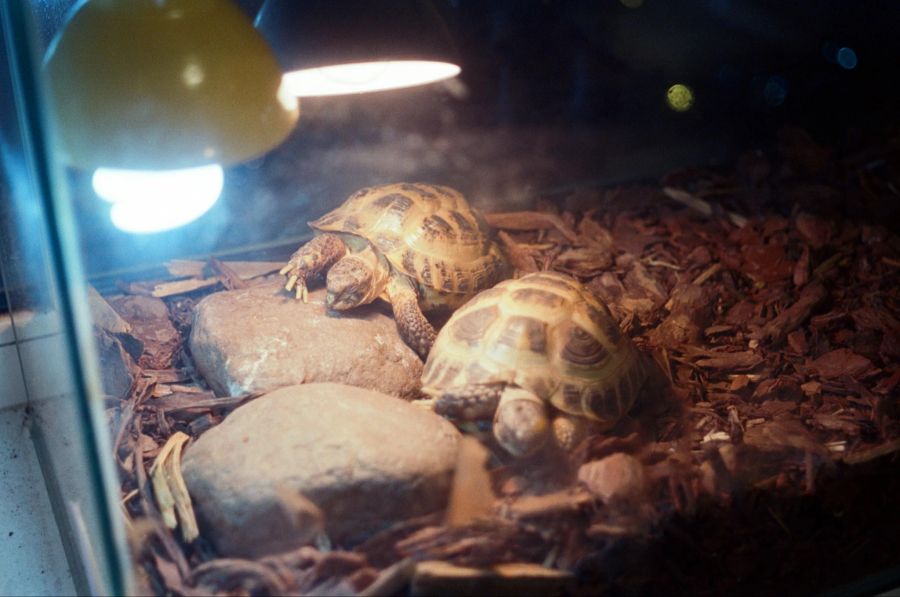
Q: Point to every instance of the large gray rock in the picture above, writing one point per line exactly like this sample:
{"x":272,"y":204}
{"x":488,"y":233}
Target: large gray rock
{"x":365,"y":459}
{"x":261,"y":338}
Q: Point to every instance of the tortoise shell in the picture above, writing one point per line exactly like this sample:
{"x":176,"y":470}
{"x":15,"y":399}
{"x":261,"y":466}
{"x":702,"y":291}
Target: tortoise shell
{"x":428,"y":232}
{"x":546,"y":333}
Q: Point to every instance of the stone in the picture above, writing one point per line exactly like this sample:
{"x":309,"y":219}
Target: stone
{"x":617,"y":478}
{"x":107,"y":321}
{"x":365,"y":459}
{"x":150,"y":322}
{"x":117,"y":369}
{"x":103,"y":316}
{"x":261,"y":338}
{"x":117,"y":347}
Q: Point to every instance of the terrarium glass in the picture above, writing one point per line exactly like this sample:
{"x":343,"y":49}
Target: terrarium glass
{"x":44,"y":293}
{"x":699,"y":166}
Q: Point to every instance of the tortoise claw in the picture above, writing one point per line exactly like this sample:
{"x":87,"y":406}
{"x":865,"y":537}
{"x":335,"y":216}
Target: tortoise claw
{"x":296,"y":281}
{"x":291,"y":281}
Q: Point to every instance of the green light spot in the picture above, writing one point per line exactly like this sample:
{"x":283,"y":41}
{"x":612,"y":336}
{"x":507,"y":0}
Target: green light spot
{"x":680,"y":97}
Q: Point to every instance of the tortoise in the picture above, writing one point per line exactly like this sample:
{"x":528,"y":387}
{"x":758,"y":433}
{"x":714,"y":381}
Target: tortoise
{"x":419,"y":246}
{"x":541,"y":355}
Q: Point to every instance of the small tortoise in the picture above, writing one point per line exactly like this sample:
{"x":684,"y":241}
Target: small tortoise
{"x":419,"y":246}
{"x":526,"y":344}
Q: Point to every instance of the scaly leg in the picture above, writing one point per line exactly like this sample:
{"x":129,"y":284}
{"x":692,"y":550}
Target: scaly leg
{"x":411,"y":323}
{"x":469,"y":403}
{"x":315,"y":257}
{"x":570,"y":430}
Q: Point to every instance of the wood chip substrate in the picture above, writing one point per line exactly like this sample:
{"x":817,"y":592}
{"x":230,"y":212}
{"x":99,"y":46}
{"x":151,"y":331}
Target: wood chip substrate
{"x":768,"y":292}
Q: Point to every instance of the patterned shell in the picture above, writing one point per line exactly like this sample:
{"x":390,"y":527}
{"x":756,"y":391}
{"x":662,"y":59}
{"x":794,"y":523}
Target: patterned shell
{"x":428,"y":232}
{"x":547,"y":334}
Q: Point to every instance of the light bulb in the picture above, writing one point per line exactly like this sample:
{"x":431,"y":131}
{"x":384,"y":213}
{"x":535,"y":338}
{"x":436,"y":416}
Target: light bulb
{"x":361,"y":77}
{"x":155,"y":200}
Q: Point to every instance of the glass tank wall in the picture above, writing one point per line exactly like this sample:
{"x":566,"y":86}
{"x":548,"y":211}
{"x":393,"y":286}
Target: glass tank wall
{"x":153,"y":159}
{"x":44,"y":303}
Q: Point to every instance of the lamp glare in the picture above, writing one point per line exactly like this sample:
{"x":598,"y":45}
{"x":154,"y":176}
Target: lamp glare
{"x":362,"y":77}
{"x":146,"y":201}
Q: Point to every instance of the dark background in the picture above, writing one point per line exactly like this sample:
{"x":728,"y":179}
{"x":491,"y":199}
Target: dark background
{"x":553,"y":94}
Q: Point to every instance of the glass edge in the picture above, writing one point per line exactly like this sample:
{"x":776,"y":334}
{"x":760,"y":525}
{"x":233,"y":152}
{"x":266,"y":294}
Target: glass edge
{"x":60,"y":234}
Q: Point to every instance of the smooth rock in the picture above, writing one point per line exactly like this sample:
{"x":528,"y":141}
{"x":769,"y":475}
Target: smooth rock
{"x":367,"y":460}
{"x":261,"y":338}
{"x":616,"y":478}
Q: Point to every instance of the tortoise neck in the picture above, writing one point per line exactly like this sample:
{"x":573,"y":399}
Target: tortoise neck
{"x":381,"y":272}
{"x":379,"y":268}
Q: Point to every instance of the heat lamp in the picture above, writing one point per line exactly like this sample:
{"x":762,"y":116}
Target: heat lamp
{"x":155,"y":97}
{"x":358,"y":46}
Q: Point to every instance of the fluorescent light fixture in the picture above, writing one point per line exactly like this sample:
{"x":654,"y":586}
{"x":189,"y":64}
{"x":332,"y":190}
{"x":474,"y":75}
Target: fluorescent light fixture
{"x":363,"y":77}
{"x":146,"y":201}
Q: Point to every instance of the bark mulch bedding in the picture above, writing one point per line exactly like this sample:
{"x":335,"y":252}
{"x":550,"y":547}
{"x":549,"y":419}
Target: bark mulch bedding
{"x":769,"y":295}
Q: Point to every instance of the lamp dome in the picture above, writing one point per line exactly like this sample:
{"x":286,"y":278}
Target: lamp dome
{"x":164,"y":84}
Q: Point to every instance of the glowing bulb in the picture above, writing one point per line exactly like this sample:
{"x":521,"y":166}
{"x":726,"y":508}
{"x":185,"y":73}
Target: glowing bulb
{"x":362,"y":77}
{"x":680,"y":97}
{"x":152,"y":201}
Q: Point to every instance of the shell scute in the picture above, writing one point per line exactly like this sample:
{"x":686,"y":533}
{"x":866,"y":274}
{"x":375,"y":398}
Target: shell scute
{"x":394,"y":202}
{"x":581,"y":348}
{"x":523,"y":333}
{"x":469,"y":329}
{"x":538,"y":297}
{"x":437,"y":227}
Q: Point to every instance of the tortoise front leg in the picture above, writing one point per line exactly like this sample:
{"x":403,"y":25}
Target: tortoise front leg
{"x":415,"y":330}
{"x":469,"y":403}
{"x":571,"y":430}
{"x":315,"y":257}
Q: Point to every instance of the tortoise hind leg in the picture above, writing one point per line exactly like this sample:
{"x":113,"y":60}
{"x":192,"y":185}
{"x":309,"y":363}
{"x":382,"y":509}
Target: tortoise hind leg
{"x":411,"y":323}
{"x":313,"y":258}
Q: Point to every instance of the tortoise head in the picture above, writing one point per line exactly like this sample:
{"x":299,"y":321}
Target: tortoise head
{"x":357,"y":279}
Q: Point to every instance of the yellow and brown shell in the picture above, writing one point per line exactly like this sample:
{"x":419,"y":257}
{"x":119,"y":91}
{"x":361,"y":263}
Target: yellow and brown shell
{"x":546,"y":333}
{"x":428,"y":232}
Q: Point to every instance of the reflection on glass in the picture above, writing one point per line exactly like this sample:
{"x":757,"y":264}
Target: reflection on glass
{"x":846,"y":57}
